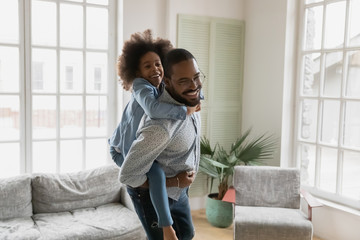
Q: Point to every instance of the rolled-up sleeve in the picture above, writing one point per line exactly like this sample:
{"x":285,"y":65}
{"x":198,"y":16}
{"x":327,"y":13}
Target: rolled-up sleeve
{"x":151,"y":141}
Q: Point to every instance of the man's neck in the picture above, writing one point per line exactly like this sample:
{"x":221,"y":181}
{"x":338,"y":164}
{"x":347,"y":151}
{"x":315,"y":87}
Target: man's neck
{"x":170,"y":98}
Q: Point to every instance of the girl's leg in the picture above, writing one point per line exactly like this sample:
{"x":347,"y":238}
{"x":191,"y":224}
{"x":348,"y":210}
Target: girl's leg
{"x":158,"y":194}
{"x":159,"y":199}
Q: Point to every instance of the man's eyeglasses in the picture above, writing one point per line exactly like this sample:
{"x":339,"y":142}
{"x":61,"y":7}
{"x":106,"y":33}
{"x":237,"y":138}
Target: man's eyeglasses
{"x":198,"y":79}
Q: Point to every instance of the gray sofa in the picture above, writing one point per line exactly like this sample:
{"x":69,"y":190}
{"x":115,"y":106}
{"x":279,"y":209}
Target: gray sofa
{"x":90,"y":204}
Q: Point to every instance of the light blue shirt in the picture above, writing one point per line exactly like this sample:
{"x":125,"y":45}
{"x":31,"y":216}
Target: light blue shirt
{"x":175,"y":144}
{"x":143,"y":98}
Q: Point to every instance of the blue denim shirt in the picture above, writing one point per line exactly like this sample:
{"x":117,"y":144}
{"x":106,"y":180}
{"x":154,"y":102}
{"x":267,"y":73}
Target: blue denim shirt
{"x":143,"y":99}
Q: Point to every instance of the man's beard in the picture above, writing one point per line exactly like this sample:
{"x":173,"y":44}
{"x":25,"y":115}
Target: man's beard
{"x":183,"y":100}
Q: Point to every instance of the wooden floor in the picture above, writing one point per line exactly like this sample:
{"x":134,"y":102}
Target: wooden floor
{"x":203,"y":229}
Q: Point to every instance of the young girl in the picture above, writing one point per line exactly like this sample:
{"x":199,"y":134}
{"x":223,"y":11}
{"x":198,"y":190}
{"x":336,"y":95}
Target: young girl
{"x":140,"y":68}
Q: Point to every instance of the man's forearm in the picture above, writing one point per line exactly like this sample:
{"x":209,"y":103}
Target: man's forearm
{"x":172,"y":182}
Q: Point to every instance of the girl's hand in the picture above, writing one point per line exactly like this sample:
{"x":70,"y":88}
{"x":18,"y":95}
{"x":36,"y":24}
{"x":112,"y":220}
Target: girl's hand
{"x":198,"y":107}
{"x":191,"y":110}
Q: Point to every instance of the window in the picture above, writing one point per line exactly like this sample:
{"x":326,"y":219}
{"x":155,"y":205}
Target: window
{"x":328,"y":102}
{"x":97,"y":78}
{"x":37,"y":75}
{"x":56,"y":65}
{"x":69,"y":79}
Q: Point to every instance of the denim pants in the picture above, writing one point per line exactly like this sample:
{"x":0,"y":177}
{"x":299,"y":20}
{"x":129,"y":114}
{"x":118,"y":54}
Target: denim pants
{"x":180,"y":212}
{"x":158,"y":194}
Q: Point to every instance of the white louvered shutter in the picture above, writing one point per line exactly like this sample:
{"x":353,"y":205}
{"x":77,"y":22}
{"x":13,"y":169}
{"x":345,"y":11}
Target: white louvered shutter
{"x":218,"y":46}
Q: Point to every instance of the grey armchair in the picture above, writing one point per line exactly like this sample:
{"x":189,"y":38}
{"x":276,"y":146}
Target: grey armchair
{"x":267,"y":205}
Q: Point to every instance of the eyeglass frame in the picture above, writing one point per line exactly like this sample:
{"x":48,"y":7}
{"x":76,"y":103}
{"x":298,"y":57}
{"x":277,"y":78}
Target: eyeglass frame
{"x":189,"y":81}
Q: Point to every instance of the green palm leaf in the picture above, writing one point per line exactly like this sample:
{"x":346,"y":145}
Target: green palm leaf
{"x":219,"y":164}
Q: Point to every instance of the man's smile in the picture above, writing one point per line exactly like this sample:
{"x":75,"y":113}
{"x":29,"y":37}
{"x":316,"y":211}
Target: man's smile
{"x":192,"y":93}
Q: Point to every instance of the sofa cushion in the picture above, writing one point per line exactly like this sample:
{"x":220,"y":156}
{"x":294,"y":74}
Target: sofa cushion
{"x":110,"y":221}
{"x":15,"y":197}
{"x":66,"y":192}
{"x":271,"y":224}
{"x":19,"y":228}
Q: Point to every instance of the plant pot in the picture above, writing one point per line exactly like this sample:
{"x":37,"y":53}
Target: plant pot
{"x":218,"y":213}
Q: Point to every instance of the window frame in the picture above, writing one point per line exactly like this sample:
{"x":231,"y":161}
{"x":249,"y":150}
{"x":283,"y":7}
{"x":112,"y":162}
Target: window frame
{"x":320,"y":97}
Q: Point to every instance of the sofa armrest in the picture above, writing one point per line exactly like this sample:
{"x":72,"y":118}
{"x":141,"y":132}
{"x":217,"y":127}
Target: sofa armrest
{"x":311,"y":202}
{"x":125,"y":198}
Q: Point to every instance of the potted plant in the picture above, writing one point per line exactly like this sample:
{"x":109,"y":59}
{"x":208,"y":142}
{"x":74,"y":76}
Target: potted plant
{"x":219,"y":164}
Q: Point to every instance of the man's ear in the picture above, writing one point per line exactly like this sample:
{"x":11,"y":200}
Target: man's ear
{"x":167,"y":81}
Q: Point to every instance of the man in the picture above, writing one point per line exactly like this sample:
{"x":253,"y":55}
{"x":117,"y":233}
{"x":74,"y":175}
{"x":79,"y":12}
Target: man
{"x":174,"y":144}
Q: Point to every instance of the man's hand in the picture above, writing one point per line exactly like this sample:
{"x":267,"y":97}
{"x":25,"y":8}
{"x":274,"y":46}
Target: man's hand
{"x":145,"y":184}
{"x":185,"y":179}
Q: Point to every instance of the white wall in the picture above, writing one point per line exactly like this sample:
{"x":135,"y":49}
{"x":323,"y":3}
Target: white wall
{"x":161,"y":15}
{"x":264,"y":67}
{"x":140,"y":15}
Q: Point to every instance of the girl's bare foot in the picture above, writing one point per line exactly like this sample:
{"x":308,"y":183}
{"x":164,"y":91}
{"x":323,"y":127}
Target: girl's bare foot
{"x":169,"y":233}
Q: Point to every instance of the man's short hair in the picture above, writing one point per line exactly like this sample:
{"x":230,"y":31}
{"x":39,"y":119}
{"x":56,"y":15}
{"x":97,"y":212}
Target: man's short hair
{"x":173,"y":57}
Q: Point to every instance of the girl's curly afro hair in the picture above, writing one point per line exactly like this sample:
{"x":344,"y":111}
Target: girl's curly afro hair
{"x":137,"y":46}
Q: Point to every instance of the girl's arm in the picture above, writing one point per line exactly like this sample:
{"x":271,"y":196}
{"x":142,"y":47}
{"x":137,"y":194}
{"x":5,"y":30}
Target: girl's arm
{"x":144,"y":94}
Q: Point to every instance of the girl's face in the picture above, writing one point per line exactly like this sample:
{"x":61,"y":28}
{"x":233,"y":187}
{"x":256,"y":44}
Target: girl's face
{"x":150,"y":68}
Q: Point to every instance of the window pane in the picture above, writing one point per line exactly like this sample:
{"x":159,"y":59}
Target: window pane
{"x":44,"y":157}
{"x":328,"y":159}
{"x":43,"y":27}
{"x":9,"y":21}
{"x":96,"y":153}
{"x":102,"y":2}
{"x":43,"y":71}
{"x":351,"y":176}
{"x":353,"y":75}
{"x":9,"y":69}
{"x":44,"y":117}
{"x":352,"y":124}
{"x":311,"y":74}
{"x":96,"y":109}
{"x":9,"y":165}
{"x":354,"y":30}
{"x":96,"y":28}
{"x":70,"y":156}
{"x":9,"y":118}
{"x":335,"y":24}
{"x":96,"y":73}
{"x":71,"y":116}
{"x":308,"y":120}
{"x":71,"y":72}
{"x":330,"y":122}
{"x":71,"y":28}
{"x":333,"y":74}
{"x":313,"y":27}
{"x":307,"y":159}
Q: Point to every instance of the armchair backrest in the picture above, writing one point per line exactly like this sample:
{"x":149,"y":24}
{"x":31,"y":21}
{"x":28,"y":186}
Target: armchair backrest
{"x":266,"y":186}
